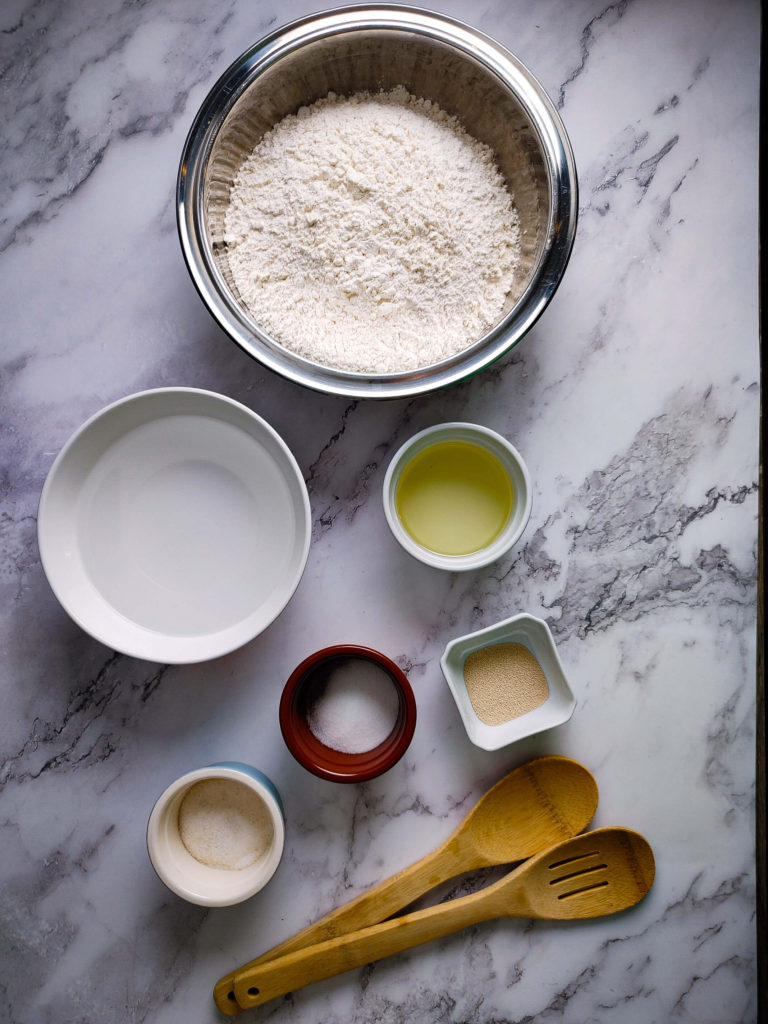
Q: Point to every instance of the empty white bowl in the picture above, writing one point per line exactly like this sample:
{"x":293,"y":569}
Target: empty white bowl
{"x":189,"y":878}
{"x":174,"y":525}
{"x":513,"y":466}
{"x":534,"y":634}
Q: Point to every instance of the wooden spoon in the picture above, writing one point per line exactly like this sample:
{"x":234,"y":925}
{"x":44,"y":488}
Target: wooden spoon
{"x":533,"y":807}
{"x":598,"y":873}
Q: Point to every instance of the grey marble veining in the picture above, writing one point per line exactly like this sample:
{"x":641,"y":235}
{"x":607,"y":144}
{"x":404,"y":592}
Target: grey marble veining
{"x":634,"y":402}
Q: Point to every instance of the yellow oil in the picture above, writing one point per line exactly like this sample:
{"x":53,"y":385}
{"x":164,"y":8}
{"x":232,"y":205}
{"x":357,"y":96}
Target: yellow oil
{"x":454,"y":497}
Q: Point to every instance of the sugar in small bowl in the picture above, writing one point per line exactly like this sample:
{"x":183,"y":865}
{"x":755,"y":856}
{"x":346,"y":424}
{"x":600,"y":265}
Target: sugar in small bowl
{"x":215,"y":836}
{"x":347,"y":713}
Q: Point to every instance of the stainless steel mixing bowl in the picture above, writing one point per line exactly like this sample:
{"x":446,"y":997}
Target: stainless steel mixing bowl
{"x":361,"y":48}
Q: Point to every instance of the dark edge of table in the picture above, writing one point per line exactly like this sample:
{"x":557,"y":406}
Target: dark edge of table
{"x":761,"y":851}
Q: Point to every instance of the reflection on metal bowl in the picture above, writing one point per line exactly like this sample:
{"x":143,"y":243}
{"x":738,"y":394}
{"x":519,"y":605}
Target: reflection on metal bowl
{"x":368,"y":48}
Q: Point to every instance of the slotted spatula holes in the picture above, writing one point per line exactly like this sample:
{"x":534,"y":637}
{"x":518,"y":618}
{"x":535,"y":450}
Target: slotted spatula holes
{"x":578,"y":873}
{"x":583,"y":889}
{"x":572,"y":860}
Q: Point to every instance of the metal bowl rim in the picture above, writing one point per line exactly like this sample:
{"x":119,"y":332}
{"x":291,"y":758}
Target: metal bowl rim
{"x":483,"y":50}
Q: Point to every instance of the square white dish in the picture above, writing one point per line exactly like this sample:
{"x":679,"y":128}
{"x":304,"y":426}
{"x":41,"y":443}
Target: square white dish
{"x":174,"y":525}
{"x":534,"y":634}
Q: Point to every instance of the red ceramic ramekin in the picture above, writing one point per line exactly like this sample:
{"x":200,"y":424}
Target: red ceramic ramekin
{"x":306,"y":684}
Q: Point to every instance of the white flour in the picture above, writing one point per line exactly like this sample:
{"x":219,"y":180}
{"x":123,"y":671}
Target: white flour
{"x":372,"y":233}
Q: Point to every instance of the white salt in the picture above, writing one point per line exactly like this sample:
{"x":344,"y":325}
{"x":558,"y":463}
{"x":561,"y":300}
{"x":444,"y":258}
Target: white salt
{"x":357,"y":710}
{"x":224,"y":824}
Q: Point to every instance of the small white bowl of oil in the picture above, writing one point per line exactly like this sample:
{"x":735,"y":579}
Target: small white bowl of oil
{"x":508,"y":681}
{"x":457,"y":496}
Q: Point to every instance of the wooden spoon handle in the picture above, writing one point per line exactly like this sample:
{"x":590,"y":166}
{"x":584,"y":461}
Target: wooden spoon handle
{"x":259,"y":984}
{"x":369,"y":907}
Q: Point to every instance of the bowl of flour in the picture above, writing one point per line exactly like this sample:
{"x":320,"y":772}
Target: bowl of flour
{"x":377,"y":202}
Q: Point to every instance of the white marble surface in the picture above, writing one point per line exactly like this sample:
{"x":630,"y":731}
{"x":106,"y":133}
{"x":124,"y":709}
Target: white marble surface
{"x":635,"y":404}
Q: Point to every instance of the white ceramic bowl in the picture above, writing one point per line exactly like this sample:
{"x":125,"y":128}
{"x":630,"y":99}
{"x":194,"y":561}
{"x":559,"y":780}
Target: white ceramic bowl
{"x":174,"y":525}
{"x":186,"y":876}
{"x":510,"y":459}
{"x":534,"y":634}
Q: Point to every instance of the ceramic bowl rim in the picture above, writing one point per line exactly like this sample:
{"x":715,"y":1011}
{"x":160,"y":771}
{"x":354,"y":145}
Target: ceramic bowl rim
{"x":143,"y":642}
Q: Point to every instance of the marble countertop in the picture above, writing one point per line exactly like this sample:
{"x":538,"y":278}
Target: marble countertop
{"x":634,"y":402}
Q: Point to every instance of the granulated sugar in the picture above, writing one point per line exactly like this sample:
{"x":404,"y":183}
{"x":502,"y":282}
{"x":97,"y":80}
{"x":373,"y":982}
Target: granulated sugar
{"x":371,"y":233}
{"x":224,"y":824}
{"x":504,"y":681}
{"x":357,"y":710}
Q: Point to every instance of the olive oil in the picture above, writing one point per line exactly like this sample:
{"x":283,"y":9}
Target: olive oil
{"x":454,"y":497}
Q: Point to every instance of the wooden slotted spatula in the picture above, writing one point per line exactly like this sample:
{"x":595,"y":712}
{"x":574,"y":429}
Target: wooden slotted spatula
{"x":534,"y":806}
{"x":597,"y":873}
